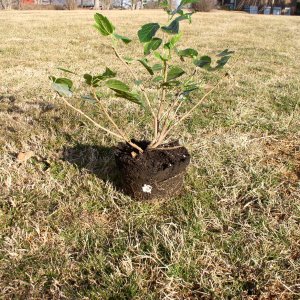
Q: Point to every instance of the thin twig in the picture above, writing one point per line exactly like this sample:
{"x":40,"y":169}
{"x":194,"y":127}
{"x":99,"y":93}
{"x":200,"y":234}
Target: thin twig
{"x":166,"y":131}
{"x":177,"y":108}
{"x":164,"y":135}
{"x":125,"y":64}
{"x":167,"y":119}
{"x":91,"y":120}
{"x":192,"y":109}
{"x":141,"y":88}
{"x":167,"y":114}
{"x":163,"y":94}
{"x":125,"y":137}
{"x":101,"y":127}
{"x":108,"y":116}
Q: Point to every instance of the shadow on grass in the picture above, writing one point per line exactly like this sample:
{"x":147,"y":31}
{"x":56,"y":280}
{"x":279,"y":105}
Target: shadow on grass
{"x":98,"y":160}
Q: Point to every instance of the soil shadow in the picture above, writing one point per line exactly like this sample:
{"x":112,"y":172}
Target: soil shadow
{"x":98,"y":160}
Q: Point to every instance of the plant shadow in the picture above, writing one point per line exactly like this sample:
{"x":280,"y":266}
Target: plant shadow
{"x":98,"y":160}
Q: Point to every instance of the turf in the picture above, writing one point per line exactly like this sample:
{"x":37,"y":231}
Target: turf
{"x":68,"y":233}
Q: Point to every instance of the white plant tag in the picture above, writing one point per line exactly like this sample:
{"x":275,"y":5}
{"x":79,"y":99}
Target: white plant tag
{"x":147,"y":188}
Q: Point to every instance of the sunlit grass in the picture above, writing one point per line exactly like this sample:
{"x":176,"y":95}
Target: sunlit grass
{"x":67,"y":233}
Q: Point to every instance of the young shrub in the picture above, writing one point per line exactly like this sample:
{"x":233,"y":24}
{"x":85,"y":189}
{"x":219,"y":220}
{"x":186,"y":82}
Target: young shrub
{"x":150,"y":169}
{"x":165,"y":59}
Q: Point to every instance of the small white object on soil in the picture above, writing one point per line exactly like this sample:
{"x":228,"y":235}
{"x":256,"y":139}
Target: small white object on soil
{"x":147,"y":188}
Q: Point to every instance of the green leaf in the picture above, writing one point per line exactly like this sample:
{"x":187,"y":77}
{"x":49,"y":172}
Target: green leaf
{"x":144,"y":62}
{"x":225,"y":53}
{"x":203,"y":62}
{"x":62,"y":80}
{"x":171,"y":44}
{"x":62,"y":89}
{"x":117,"y":85}
{"x":88,"y":79}
{"x":222,"y":62}
{"x":124,"y":39}
{"x":89,"y":98}
{"x":190,"y":88}
{"x":174,"y":72}
{"x":63,"y":86}
{"x":158,"y":78}
{"x":152,"y":45}
{"x":186,"y":16}
{"x":67,"y":71}
{"x":122,"y":90}
{"x":172,"y":28}
{"x":164,"y":4}
{"x":104,"y":26}
{"x":107,"y":74}
{"x":161,"y":57}
{"x":147,"y":31}
{"x":189,"y":52}
{"x":128,"y":60}
{"x":171,"y":83}
{"x":179,"y":11}
{"x":94,"y":80}
{"x":157,"y":67}
{"x":91,"y":80}
{"x":187,"y":90}
{"x":133,"y":97}
{"x":184,"y":2}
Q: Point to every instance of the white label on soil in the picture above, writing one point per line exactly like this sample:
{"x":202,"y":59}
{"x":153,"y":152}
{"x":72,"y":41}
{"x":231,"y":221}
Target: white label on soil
{"x":147,"y":188}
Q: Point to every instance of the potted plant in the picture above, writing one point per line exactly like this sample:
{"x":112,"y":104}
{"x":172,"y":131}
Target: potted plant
{"x":149,"y":168}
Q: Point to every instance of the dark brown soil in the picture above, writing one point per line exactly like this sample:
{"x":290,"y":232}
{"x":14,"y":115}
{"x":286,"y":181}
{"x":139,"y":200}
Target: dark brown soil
{"x":156,"y":173}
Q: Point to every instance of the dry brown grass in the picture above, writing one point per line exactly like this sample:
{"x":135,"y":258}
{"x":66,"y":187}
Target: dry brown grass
{"x":67,"y":233}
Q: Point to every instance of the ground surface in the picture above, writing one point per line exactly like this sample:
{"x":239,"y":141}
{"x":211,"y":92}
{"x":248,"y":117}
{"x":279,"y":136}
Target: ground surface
{"x":67,"y":233}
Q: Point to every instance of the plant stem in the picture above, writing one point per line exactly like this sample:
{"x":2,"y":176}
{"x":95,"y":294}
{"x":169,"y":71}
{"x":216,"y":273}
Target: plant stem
{"x":165,"y":126}
{"x":107,"y":115}
{"x":161,"y":107}
{"x":163,"y":96}
{"x":125,"y":137}
{"x":91,"y":120}
{"x":166,"y":132}
{"x":101,"y":127}
{"x":141,"y":87}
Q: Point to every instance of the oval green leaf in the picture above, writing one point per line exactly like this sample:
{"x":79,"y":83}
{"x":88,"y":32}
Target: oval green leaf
{"x":122,"y":90}
{"x":172,"y":28}
{"x":124,"y":39}
{"x":103,"y":25}
{"x":144,"y":62}
{"x":152,"y":45}
{"x":174,"y":72}
{"x":117,"y":85}
{"x":222,"y":62}
{"x":189,"y":52}
{"x":148,"y":31}
{"x":203,"y":62}
{"x":63,"y":86}
{"x":225,"y":53}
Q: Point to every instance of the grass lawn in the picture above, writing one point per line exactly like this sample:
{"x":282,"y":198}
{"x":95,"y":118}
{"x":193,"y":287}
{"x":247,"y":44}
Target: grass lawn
{"x":67,"y":232}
